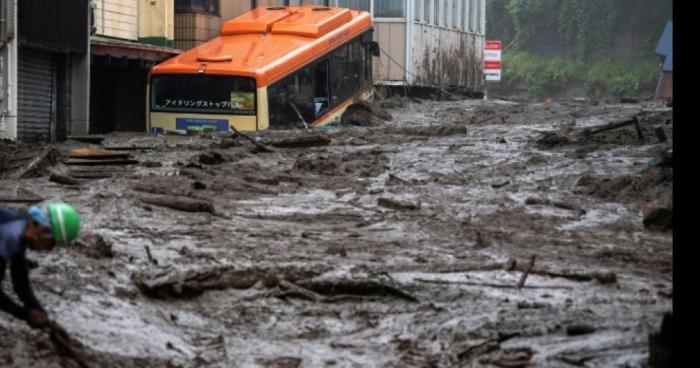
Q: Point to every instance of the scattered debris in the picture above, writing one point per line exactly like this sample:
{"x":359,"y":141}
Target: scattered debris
{"x":179,"y":203}
{"x":95,"y":139}
{"x":578,"y":329}
{"x":28,"y":163}
{"x":97,"y":154}
{"x":66,"y":345}
{"x":165,"y":284}
{"x":521,"y":283}
{"x":658,"y":214}
{"x":397,"y":205}
{"x":500,"y":185}
{"x":304,"y":141}
{"x":65,"y":180}
{"x":100,"y":162}
{"x":259,"y":147}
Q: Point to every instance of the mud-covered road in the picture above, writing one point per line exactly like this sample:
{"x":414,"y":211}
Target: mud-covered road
{"x":397,"y":245}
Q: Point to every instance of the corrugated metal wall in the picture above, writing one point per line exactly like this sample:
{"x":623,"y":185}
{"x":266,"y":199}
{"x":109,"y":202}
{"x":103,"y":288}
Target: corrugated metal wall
{"x":446,"y":57}
{"x":192,"y":29}
{"x":36,"y":95}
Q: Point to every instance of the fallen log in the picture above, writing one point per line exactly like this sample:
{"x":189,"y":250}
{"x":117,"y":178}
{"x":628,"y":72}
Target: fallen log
{"x":62,"y":179}
{"x":397,"y":205}
{"x":589,"y":132}
{"x":497,"y":286}
{"x":165,"y":284}
{"x":356,"y":287}
{"x":179,"y":203}
{"x":86,"y":162}
{"x":301,"y":142}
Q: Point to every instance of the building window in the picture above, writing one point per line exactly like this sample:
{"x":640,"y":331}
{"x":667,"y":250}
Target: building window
{"x":354,"y":4}
{"x":197,"y":6}
{"x":445,"y":13}
{"x":389,"y":9}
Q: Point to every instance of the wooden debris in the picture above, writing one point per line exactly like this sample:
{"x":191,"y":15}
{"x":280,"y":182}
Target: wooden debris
{"x":393,"y":179}
{"x":150,"y":257}
{"x":304,"y":292}
{"x":397,"y":205}
{"x":66,"y":345}
{"x":303,"y":141}
{"x":500,"y":185}
{"x":619,"y":124}
{"x":97,"y":154}
{"x":62,"y":179}
{"x":28,"y":164}
{"x":259,"y":146}
{"x":497,"y":286}
{"x":521,"y":283}
{"x":179,"y":203}
{"x":356,"y":287}
{"x":23,"y":196}
{"x":96,"y":139}
{"x":191,"y":283}
{"x":84,"y":162}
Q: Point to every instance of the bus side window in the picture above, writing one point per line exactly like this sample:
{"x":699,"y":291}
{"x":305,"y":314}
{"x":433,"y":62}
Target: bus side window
{"x":321,"y":88}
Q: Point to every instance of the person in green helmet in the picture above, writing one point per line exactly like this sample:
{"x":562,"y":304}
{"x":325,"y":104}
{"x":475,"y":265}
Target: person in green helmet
{"x":39,"y":229}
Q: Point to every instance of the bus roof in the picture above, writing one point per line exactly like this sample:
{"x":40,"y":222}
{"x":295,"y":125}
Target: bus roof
{"x":269,"y":43}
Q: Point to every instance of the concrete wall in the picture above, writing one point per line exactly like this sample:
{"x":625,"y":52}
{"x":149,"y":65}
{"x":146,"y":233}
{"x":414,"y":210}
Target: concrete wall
{"x":446,"y":57}
{"x":117,"y":18}
{"x":156,"y":22}
{"x":392,"y":40}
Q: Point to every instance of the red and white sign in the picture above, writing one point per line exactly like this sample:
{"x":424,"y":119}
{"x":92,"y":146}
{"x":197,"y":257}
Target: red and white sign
{"x":492,"y":60}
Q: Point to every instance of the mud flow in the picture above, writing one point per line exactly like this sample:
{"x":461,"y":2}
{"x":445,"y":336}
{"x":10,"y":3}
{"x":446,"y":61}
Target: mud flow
{"x":463,"y":233}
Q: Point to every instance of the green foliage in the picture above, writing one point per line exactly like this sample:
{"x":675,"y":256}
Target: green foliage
{"x":580,"y":27}
{"x":612,"y":77}
{"x":540,"y":75}
{"x":548,"y":76}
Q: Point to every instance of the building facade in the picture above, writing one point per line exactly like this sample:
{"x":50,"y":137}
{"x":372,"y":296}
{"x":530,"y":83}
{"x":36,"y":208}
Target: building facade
{"x":127,"y":38}
{"x":44,"y":57}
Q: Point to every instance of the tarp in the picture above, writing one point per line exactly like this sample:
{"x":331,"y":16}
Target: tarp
{"x":665,"y":47}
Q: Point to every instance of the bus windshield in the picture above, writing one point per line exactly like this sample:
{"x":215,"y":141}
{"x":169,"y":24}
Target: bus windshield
{"x":214,"y":94}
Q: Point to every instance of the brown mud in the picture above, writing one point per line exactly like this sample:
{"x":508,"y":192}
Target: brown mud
{"x":402,"y":243}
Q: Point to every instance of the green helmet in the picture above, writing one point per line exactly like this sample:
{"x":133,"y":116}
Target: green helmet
{"x":65,"y":222}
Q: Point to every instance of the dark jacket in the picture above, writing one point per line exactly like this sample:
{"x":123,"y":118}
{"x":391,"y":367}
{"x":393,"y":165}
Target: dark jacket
{"x":12,"y":249}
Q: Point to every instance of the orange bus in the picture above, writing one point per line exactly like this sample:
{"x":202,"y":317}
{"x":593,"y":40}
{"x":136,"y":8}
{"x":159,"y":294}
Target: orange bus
{"x":270,"y":68}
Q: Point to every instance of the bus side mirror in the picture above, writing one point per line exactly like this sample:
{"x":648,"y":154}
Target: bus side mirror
{"x":374,"y":48}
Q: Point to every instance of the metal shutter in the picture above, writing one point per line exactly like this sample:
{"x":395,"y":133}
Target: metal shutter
{"x":36,"y":95}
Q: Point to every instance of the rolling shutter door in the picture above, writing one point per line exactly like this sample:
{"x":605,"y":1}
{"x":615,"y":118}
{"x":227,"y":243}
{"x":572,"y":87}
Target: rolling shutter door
{"x":35,"y":95}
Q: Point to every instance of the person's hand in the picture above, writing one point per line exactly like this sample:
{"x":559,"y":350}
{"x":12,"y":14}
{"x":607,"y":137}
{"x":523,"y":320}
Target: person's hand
{"x":36,"y":318}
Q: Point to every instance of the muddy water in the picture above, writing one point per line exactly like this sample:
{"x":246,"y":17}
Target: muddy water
{"x":483,"y":195}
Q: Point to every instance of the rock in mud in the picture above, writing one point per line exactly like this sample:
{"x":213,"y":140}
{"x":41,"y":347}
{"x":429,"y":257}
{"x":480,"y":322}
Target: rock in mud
{"x":397,"y":205}
{"x":551,"y":140}
{"x":658,"y":214}
{"x":363,"y":113}
{"x":179,"y":203}
{"x":578,"y":329}
{"x":94,"y":246}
